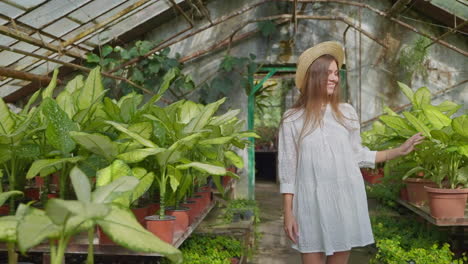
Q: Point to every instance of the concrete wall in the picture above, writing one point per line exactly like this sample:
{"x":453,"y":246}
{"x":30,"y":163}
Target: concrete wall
{"x":371,"y":83}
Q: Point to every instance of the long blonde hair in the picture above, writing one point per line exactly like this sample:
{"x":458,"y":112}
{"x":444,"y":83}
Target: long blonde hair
{"x":314,"y":95}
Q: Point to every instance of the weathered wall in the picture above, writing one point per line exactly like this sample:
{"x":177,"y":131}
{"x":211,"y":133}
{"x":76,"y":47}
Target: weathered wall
{"x":372,"y":71}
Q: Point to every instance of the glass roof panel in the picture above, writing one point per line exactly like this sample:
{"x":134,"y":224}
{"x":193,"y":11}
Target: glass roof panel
{"x":30,"y":3}
{"x":50,"y":11}
{"x":6,"y":40}
{"x":8,"y":58}
{"x":137,"y":17}
{"x":8,"y":89}
{"x":10,"y":11}
{"x":3,"y":21}
{"x":93,"y":10}
{"x":61,"y":27}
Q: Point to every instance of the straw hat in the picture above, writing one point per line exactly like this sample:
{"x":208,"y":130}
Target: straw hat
{"x":310,"y":55}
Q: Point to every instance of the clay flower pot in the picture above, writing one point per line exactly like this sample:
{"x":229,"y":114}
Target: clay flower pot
{"x":153,"y":209}
{"x":182,"y":217}
{"x":447,"y":203}
{"x":206,"y":195}
{"x":39,"y":181}
{"x":373,"y":177}
{"x":162,"y":228}
{"x":140,"y":214}
{"x":404,"y":194}
{"x":32,"y":192}
{"x":52,"y":195}
{"x":4,"y":209}
{"x":192,"y":212}
{"x":103,"y":238}
{"x":416,"y":193}
{"x":199,"y":204}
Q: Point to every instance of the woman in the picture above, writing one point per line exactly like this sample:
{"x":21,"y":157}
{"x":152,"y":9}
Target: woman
{"x":319,"y":155}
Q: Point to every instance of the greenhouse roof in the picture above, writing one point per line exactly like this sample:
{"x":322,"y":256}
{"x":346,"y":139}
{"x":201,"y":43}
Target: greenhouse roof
{"x":64,"y":30}
{"x":36,"y":36}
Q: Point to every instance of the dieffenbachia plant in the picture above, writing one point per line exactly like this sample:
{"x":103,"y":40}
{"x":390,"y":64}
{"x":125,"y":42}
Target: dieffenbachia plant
{"x":62,"y":219}
{"x":445,"y":152}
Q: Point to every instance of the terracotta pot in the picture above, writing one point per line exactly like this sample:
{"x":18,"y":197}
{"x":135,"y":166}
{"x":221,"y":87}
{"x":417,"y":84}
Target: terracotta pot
{"x":182,"y":217}
{"x":226,"y":180}
{"x":39,"y":181}
{"x":199,"y":204}
{"x":416,"y":193}
{"x":447,"y":203}
{"x":206,"y":195}
{"x":153,"y":209}
{"x":372,"y":177}
{"x":404,"y":194}
{"x":4,"y":209}
{"x":140,"y":214}
{"x":103,"y":238}
{"x":32,"y":192}
{"x":192,"y":213}
{"x":52,"y":195}
{"x":162,"y":228}
{"x":205,"y":188}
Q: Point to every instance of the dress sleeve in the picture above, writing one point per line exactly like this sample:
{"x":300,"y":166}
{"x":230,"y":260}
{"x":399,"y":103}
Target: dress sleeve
{"x":364,"y":157}
{"x":287,"y":159}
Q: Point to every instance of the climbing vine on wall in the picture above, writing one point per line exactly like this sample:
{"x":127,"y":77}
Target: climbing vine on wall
{"x":147,"y":73}
{"x":412,"y":59}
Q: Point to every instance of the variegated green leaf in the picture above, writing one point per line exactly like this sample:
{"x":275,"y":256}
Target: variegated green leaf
{"x":421,"y":127}
{"x":122,"y":227}
{"x":40,"y":165}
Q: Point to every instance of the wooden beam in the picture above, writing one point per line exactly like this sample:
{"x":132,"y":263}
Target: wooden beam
{"x":16,"y":34}
{"x":182,"y":12}
{"x":11,"y":73}
{"x":74,"y":66}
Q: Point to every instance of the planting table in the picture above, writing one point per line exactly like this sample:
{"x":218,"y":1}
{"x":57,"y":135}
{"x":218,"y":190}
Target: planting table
{"x":80,"y":246}
{"x":459,"y":224}
{"x":423,"y":211}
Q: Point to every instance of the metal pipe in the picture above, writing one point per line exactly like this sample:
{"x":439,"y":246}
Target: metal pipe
{"x":447,"y":33}
{"x":74,"y":66}
{"x":11,"y":73}
{"x":28,"y":39}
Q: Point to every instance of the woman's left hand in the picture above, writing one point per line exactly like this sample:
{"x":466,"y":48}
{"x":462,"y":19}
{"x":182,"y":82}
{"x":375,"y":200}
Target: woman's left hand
{"x":409,"y":144}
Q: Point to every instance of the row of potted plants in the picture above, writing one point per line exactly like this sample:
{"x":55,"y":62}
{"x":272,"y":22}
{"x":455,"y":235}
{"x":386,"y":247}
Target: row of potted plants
{"x":439,"y":165}
{"x":170,"y":151}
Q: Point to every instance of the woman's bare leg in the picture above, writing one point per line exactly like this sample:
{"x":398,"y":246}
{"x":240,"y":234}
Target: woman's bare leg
{"x":339,"y":257}
{"x":313,"y":258}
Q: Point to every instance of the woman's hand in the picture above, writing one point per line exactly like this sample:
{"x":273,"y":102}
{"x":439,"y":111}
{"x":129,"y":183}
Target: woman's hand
{"x":409,"y":144}
{"x":290,"y":227}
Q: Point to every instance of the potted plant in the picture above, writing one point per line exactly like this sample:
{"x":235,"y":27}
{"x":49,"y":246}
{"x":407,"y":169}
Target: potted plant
{"x":448,"y":199}
{"x":64,"y":218}
{"x":404,"y":126}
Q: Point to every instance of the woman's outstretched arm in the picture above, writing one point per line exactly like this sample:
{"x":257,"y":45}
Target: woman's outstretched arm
{"x":402,"y":150}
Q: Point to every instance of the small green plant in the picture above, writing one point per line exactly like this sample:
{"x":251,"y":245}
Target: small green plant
{"x":401,"y":240}
{"x":386,"y":193}
{"x":201,"y":249}
{"x":242,"y":209}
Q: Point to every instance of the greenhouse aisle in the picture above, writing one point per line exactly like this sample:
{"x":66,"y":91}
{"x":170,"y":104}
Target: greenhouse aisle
{"x":274,"y":246}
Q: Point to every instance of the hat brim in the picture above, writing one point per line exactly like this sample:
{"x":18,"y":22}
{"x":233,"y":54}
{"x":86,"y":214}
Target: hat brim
{"x":308,"y":57}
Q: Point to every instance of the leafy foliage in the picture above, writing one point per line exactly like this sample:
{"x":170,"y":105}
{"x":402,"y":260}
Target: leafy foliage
{"x":199,"y":249}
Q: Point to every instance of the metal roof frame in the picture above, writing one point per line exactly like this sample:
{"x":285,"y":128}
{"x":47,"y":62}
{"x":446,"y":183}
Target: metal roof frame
{"x":29,"y":47}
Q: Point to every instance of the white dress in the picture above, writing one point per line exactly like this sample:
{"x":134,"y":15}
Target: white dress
{"x":330,"y":204}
